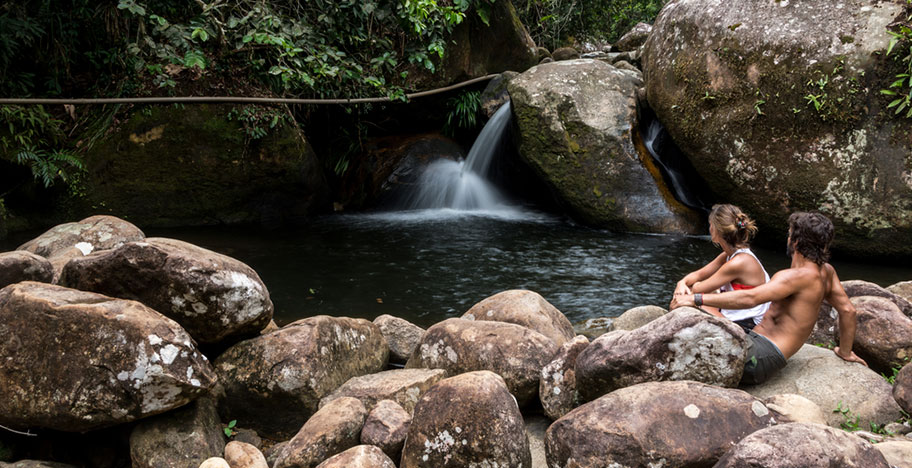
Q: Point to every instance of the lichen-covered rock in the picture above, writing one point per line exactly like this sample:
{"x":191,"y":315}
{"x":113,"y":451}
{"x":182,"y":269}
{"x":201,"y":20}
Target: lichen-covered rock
{"x":467,"y":420}
{"x":76,"y":361}
{"x":243,"y":455}
{"x":866,"y":288}
{"x":334,"y":428}
{"x":802,"y":445}
{"x":577,"y":125}
{"x":778,"y":106}
{"x":883,"y":335}
{"x":637,"y":317}
{"x":213,"y":296}
{"x":667,"y":424}
{"x":902,"y":388}
{"x":181,"y":438}
{"x":361,"y":456}
{"x":796,"y":408}
{"x":514,"y":352}
{"x":685,"y":344}
{"x":20,"y":265}
{"x":401,"y":335}
{"x":634,"y":38}
{"x":902,"y":289}
{"x":404,"y":386}
{"x":386,"y":427}
{"x":274,"y":382}
{"x":822,"y":377}
{"x":526,"y":308}
{"x":897,"y":453}
{"x":557,"y":386}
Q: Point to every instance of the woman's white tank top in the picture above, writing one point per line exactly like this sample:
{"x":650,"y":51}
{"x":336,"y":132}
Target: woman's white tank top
{"x":755,"y":312}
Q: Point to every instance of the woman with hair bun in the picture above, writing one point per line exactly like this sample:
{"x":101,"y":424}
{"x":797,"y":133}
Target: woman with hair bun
{"x":735,"y":268}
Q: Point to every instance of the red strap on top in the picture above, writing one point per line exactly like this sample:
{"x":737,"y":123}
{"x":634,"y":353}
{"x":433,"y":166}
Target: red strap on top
{"x":737,"y":286}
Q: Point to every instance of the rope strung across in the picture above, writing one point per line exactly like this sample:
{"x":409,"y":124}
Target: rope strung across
{"x":231,"y":99}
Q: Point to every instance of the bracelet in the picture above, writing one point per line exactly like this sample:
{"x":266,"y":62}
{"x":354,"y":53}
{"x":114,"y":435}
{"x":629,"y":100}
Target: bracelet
{"x":698,"y":300}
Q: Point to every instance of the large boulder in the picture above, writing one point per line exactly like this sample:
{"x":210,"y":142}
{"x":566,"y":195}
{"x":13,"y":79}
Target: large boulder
{"x":19,"y":266}
{"x":898,"y":453}
{"x":778,"y":106}
{"x":526,"y":308}
{"x":180,"y":438}
{"x":902,"y":388}
{"x":557,"y":385}
{"x":822,"y":377}
{"x":667,"y":424}
{"x":577,"y":130}
{"x":76,"y":361}
{"x":802,"y":445}
{"x":360,"y":456}
{"x":883,"y":335}
{"x":902,"y":289}
{"x":213,"y":296}
{"x":401,"y":335}
{"x":866,"y":288}
{"x":685,"y":344}
{"x":334,"y":428}
{"x":404,"y":386}
{"x":274,"y":383}
{"x":825,"y":328}
{"x":637,"y":317}
{"x":634,"y":38}
{"x":514,"y":352}
{"x":467,"y":420}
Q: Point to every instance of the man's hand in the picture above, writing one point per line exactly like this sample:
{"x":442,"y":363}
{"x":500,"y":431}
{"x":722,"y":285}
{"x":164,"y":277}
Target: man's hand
{"x":682,"y":300}
{"x":852,"y":357}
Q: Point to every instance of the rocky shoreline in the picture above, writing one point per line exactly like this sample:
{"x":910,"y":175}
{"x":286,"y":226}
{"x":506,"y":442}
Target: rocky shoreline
{"x":172,"y":347}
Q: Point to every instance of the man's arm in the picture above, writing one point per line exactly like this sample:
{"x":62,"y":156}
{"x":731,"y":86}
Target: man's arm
{"x":782,"y":285}
{"x":838,"y":298}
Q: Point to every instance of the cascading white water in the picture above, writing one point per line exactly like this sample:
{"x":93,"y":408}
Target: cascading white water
{"x":462,"y":185}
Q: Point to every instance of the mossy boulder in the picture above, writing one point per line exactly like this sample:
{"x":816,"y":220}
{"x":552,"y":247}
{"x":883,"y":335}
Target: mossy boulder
{"x":778,"y":106}
{"x":195,"y":165}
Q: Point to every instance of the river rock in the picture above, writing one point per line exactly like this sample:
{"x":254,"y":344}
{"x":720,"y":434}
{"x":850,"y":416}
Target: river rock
{"x":526,"y":308}
{"x":883,"y":336}
{"x":215,"y":462}
{"x":802,"y":445}
{"x":897,"y":453}
{"x":865,"y":288}
{"x":212,"y":296}
{"x":242,"y":455}
{"x":274,"y":383}
{"x":557,"y":385}
{"x":565,"y":53}
{"x":467,"y":420}
{"x":735,"y":84}
{"x":386,"y":427}
{"x":361,"y":456}
{"x":401,"y":335}
{"x":822,"y":377}
{"x":177,"y":439}
{"x":577,"y":128}
{"x":77,"y":361}
{"x":404,"y":386}
{"x":333,"y":429}
{"x":825,"y":329}
{"x":902,"y":289}
{"x":20,"y":265}
{"x":685,"y":344}
{"x":637,"y":317}
{"x":516,"y":353}
{"x":796,"y":408}
{"x":668,"y":424}
{"x":902,"y":388}
{"x":634,"y":38}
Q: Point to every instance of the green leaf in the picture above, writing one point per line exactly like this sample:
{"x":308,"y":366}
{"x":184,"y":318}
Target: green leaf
{"x":894,"y":103}
{"x":888,"y":92}
{"x":893,"y":41}
{"x":200,"y":33}
{"x":195,"y":59}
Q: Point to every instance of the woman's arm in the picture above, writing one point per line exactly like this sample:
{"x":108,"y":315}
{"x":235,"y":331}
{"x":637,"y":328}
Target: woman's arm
{"x":686,"y":284}
{"x":736,"y":268}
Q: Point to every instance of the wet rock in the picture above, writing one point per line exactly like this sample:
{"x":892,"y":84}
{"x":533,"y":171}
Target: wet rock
{"x":514,"y":352}
{"x":212,"y":296}
{"x":20,"y":265}
{"x":668,"y":424}
{"x":855,"y":288}
{"x":557,"y":385}
{"x":361,"y":456}
{"x":404,"y":386}
{"x":273,"y":383}
{"x":902,"y":289}
{"x":565,"y":53}
{"x":526,"y":308}
{"x":637,"y":317}
{"x":883,"y":336}
{"x":577,"y":125}
{"x":495,"y":93}
{"x":467,"y":420}
{"x":902,"y":388}
{"x":685,"y":344}
{"x":180,"y":438}
{"x":334,"y":428}
{"x":77,"y":361}
{"x":730,"y":81}
{"x":215,"y":462}
{"x":401,"y":335}
{"x":897,"y":453}
{"x":241,"y":455}
{"x":822,"y":377}
{"x":802,"y":445}
{"x":634,"y":38}
{"x":386,"y":427}
{"x":796,"y":408}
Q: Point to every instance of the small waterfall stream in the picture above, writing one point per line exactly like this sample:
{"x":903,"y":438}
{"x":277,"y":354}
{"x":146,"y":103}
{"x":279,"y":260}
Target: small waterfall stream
{"x":669,"y":159}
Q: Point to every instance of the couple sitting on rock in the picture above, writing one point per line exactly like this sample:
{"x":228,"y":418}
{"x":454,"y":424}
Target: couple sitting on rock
{"x":778,"y":314}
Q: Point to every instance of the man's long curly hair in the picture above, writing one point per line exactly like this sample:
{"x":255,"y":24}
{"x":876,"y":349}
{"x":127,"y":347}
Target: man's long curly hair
{"x":812,"y":234}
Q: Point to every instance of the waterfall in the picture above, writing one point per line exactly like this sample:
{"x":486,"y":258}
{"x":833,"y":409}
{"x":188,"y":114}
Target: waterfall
{"x":462,"y":185}
{"x":670,"y":161}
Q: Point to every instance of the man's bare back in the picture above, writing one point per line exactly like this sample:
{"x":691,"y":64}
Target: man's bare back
{"x":789,"y":321}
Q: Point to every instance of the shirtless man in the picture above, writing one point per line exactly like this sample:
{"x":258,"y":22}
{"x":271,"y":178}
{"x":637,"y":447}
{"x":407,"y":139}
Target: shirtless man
{"x":795,"y":295}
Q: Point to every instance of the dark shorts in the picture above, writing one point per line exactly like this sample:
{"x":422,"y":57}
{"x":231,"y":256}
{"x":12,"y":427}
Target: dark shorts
{"x":763,"y":359}
{"x":746,"y":324}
